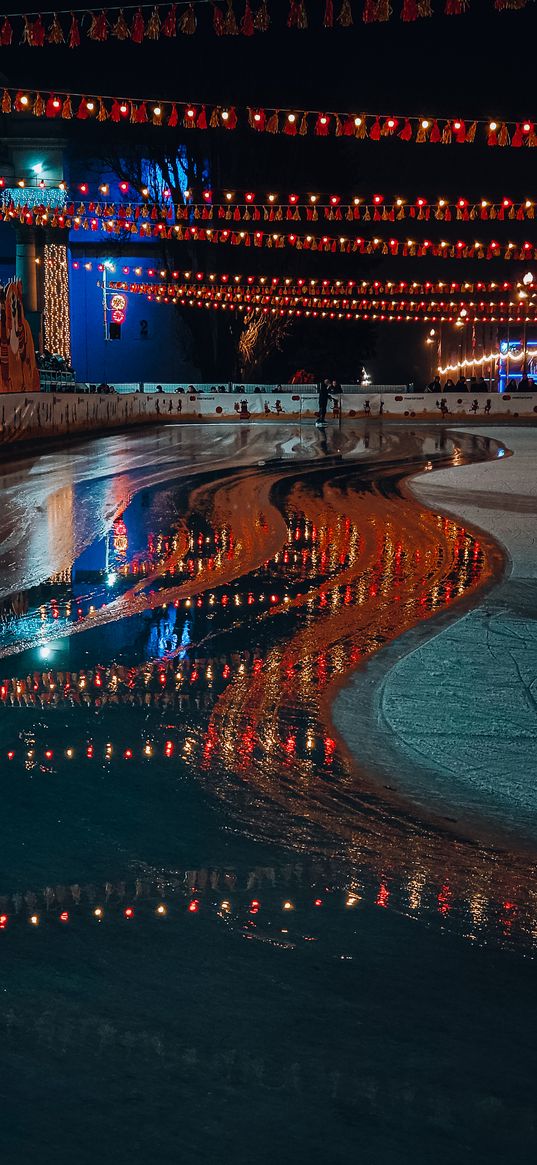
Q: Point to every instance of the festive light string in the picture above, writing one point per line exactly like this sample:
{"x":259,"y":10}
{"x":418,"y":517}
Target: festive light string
{"x":492,"y":357}
{"x":317,"y":298}
{"x":207,"y":204}
{"x":58,"y":104}
{"x":350,"y":286}
{"x":332,"y":313}
{"x":56,"y":300}
{"x":24,"y":201}
{"x":166,"y":21}
{"x":327,"y":244}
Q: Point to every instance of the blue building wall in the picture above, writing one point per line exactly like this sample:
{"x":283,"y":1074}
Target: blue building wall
{"x":158,"y":350}
{"x":155,"y":342}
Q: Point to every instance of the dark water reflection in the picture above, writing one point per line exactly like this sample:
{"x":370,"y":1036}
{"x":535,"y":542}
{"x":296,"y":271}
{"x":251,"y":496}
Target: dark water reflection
{"x":191,"y":862}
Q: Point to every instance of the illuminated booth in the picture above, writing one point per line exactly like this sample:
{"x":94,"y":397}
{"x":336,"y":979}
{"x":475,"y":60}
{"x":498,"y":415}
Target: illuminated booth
{"x":511,"y":364}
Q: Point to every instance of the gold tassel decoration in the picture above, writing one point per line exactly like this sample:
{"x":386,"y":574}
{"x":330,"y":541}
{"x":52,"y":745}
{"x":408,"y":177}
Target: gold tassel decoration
{"x":152,"y":31}
{"x":188,"y":22}
{"x":262,"y":18}
{"x":345,"y":15}
{"x":231,"y":27}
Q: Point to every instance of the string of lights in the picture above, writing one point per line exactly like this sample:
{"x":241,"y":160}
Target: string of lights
{"x":245,"y":205}
{"x":290,"y":122}
{"x":386,"y":314}
{"x":515,"y":357}
{"x":56,"y":301}
{"x":328,"y":244}
{"x":317,"y":298}
{"x":152,"y":22}
{"x":297,"y":283}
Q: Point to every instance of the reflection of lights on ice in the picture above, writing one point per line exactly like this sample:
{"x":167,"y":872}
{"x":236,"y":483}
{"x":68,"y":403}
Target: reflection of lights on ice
{"x":185,"y":639}
{"x":111,"y":578}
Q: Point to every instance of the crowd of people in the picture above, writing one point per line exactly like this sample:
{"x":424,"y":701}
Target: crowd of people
{"x":463,"y":384}
{"x":478,"y":384}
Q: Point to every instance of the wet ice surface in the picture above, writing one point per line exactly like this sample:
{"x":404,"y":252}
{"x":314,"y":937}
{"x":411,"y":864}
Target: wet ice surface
{"x":464,"y":706}
{"x":285,"y":962}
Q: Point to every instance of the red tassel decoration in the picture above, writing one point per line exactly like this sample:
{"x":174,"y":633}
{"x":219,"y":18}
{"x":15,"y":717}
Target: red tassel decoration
{"x":115,"y":112}
{"x":82,"y":111}
{"x":74,"y":33}
{"x":298,"y":17}
{"x":345,"y":16}
{"x":152,"y":31}
{"x":55,"y":32}
{"x":218,"y":19}
{"x":322,"y":125}
{"x":173,"y":119}
{"x":328,"y":19}
{"x":67,"y":109}
{"x":53,"y":107}
{"x":6,"y":33}
{"x":138,"y":27}
{"x":409,"y":10}
{"x":201,"y":121}
{"x":247,"y":22}
{"x":290,"y":127}
{"x":169,"y":24}
{"x":256,"y":119}
{"x":375,"y":131}
{"x":406,"y":132}
{"x":518,"y":137}
{"x":99,"y":27}
{"x":262,"y":18}
{"x":120,"y":29}
{"x":39,"y":106}
{"x":34,"y":33}
{"x":141,"y":114}
{"x":6,"y":102}
{"x":435,"y":135}
{"x":456,"y":7}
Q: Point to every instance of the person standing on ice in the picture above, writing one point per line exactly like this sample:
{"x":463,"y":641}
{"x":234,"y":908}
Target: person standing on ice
{"x":324,"y":394}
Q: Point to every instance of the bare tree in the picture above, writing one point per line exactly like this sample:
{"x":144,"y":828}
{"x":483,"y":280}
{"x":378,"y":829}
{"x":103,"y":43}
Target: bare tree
{"x":260,"y":336}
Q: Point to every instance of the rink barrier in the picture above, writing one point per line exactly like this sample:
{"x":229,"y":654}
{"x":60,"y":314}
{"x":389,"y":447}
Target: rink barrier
{"x":27,"y":417}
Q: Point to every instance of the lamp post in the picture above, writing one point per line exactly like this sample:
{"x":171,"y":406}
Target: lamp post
{"x":430,"y":341}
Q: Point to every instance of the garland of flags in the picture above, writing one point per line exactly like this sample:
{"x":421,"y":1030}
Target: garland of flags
{"x":151,"y":22}
{"x":291,"y":122}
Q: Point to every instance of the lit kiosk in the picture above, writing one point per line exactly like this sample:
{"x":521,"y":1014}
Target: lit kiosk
{"x":42,"y":256}
{"x":518,"y":357}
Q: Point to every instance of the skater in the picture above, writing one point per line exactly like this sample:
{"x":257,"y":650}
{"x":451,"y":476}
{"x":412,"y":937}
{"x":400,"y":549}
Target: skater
{"x":324,"y":395}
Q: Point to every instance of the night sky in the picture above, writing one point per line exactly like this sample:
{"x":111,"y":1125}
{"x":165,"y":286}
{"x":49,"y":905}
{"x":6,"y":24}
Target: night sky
{"x":471,"y":66}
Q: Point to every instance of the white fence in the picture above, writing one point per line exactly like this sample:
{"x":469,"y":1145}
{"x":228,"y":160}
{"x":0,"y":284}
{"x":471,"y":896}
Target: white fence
{"x":34,"y":416}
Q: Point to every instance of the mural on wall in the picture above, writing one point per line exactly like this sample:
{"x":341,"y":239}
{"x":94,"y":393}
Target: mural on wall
{"x":18,"y":368}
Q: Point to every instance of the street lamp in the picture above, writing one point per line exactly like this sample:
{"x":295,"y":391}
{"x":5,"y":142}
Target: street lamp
{"x":430,"y":340}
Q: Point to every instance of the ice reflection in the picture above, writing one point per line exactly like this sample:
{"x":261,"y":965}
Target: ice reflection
{"x":219,"y":617}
